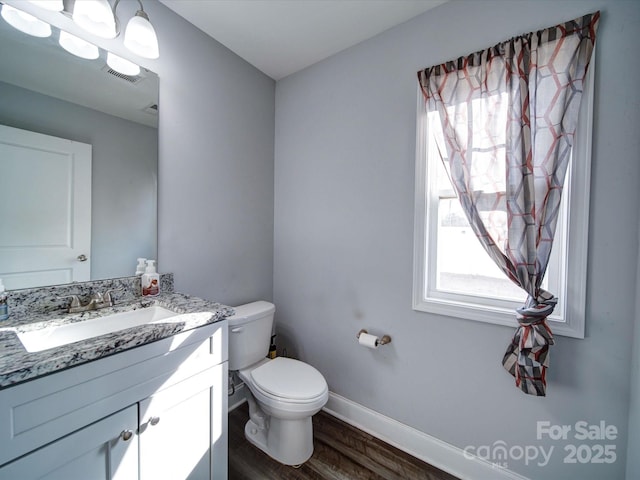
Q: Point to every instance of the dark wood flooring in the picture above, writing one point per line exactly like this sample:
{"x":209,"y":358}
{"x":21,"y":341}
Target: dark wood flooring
{"x":341,"y":452}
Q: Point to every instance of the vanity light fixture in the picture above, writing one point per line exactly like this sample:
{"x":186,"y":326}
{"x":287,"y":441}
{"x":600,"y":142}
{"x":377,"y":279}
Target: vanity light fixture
{"x":97,"y":17}
{"x":140,"y":36}
{"x":121,"y":65}
{"x":53,"y":5}
{"x":25,"y":22}
{"x":77,"y":46}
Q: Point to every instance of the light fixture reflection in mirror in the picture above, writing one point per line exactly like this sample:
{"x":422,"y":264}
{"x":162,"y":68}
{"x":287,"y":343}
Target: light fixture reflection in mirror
{"x":78,"y":47}
{"x":122,"y":65}
{"x":25,"y":22}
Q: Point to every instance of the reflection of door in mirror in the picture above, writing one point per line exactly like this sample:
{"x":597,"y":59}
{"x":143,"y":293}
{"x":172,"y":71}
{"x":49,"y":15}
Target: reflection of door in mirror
{"x":45,"y":209}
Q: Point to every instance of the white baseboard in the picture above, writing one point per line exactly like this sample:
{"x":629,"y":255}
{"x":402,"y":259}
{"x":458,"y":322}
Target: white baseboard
{"x":416,"y":443}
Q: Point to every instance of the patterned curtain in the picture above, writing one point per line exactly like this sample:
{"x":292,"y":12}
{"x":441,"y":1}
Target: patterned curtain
{"x":508,"y":116}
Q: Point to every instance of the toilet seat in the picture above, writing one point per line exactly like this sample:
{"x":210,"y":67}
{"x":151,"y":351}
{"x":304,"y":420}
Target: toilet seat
{"x":288,"y":380}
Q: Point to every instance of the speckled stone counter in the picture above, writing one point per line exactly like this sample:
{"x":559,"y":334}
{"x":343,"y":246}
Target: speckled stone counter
{"x":35,"y":309}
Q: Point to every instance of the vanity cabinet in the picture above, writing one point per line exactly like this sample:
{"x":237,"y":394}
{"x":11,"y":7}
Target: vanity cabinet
{"x":97,"y":451}
{"x":156,"y":411}
{"x":176,"y":427}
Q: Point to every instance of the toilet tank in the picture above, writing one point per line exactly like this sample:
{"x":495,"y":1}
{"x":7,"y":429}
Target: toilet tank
{"x":250,"y":333}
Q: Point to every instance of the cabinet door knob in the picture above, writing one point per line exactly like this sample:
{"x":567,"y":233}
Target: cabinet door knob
{"x":154,"y":420}
{"x":126,"y":435}
{"x":82,"y":258}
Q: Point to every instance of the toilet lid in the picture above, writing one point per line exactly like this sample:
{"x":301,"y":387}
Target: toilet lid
{"x":288,"y":378}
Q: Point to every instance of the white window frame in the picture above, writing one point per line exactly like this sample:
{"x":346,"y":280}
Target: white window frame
{"x":568,"y":273}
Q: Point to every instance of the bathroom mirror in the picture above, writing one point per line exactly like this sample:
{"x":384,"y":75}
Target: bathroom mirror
{"x":45,"y":89}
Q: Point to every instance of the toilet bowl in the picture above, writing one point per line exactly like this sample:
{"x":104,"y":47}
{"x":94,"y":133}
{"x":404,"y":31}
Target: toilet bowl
{"x":283,"y":393}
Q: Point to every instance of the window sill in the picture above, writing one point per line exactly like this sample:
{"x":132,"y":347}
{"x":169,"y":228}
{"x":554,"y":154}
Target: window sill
{"x":495,"y":315}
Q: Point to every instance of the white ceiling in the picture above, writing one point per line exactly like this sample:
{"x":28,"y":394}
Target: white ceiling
{"x":281,"y":37}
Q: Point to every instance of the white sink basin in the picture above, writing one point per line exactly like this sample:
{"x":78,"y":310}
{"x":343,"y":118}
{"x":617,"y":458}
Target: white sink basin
{"x":45,"y":338}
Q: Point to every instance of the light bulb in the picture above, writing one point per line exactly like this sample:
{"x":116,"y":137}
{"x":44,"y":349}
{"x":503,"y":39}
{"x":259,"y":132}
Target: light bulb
{"x":96,"y":17}
{"x":77,"y":46}
{"x":140,"y":36}
{"x":121,"y":65}
{"x":25,"y":22}
{"x":52,"y":5}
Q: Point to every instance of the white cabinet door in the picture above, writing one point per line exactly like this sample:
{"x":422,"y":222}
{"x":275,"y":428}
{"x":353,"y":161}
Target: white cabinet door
{"x":176,"y":430}
{"x":96,"y":452}
{"x":45,"y":209}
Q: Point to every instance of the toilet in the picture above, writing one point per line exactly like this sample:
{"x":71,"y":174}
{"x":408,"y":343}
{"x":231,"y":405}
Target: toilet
{"x":283,"y":394}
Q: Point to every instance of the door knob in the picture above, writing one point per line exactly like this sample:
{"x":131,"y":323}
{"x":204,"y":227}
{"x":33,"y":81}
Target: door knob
{"x":82,"y":258}
{"x":126,"y":435}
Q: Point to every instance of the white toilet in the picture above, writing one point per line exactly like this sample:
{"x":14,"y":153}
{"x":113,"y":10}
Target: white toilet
{"x":283,"y":393}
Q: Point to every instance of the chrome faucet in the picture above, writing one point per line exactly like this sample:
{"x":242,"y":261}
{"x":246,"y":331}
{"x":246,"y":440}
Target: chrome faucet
{"x":98,"y":300}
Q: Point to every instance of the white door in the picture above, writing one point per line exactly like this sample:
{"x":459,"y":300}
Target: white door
{"x":45,"y":209}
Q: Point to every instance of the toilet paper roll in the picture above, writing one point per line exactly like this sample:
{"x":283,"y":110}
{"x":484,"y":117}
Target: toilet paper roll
{"x":368,"y":340}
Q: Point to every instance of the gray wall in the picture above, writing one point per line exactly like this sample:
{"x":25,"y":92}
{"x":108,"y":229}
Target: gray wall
{"x":633,"y":459}
{"x":124,"y":174}
{"x":344,"y":185}
{"x":216,"y":165}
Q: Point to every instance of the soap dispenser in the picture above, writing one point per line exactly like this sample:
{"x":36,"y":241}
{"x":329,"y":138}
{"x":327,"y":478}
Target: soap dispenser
{"x":150,"y":280}
{"x":4,"y":308}
{"x":141,"y":267}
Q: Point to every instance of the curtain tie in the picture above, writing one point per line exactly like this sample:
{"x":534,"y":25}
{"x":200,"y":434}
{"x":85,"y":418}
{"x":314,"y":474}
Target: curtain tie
{"x":527,"y":357}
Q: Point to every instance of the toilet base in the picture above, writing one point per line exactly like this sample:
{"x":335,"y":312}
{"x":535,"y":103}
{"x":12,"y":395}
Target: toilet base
{"x":289,"y":442}
{"x":256,"y":435}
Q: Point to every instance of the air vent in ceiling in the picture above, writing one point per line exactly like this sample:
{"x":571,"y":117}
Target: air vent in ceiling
{"x":151,"y":109}
{"x":128,"y":78}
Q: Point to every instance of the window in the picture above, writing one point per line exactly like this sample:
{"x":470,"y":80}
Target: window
{"x":454,"y":276}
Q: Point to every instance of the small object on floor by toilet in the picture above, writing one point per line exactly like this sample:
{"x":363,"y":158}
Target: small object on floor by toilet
{"x":272,"y":347}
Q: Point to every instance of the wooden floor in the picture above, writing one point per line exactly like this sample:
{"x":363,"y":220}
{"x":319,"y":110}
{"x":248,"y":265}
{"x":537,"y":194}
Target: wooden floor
{"x":341,"y":452}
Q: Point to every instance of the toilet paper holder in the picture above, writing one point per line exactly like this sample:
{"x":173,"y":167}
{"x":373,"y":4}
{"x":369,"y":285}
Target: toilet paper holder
{"x":381,"y":341}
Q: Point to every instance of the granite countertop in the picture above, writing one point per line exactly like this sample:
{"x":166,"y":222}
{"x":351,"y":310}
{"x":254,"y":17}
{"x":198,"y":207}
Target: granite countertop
{"x":17,"y":365}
